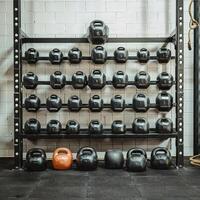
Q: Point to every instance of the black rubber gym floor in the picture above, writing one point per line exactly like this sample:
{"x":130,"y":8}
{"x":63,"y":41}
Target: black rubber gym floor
{"x":102,"y":184}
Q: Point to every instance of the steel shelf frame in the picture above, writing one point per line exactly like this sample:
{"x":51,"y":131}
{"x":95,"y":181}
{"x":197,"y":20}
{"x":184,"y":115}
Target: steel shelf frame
{"x":21,"y":38}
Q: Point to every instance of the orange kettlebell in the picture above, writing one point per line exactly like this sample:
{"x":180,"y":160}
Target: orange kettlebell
{"x":62,"y":159}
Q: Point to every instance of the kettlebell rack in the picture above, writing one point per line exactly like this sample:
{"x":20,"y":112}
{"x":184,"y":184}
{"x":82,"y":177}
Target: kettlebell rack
{"x":20,"y":38}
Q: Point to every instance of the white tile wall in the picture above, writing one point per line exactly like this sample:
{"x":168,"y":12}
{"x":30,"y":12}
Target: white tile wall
{"x":70,"y":18}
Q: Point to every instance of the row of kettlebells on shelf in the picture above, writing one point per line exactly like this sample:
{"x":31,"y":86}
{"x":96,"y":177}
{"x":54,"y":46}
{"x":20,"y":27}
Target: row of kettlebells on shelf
{"x":139,"y":126}
{"x":97,"y":80}
{"x":140,"y":103}
{"x":87,"y":159}
{"x":98,"y":55}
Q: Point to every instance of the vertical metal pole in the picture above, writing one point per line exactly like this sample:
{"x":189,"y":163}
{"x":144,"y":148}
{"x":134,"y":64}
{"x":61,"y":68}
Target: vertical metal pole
{"x":196,"y":80}
{"x":179,"y":82}
{"x":18,"y":142}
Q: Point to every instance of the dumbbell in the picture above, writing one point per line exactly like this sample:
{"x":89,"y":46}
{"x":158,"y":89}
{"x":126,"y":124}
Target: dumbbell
{"x":32,"y":103}
{"x":54,"y":127}
{"x":163,"y":55}
{"x":120,"y":80}
{"x":74,"y":103}
{"x":32,"y":56}
{"x":75,"y":56}
{"x":141,"y":103}
{"x":57,"y":80}
{"x":96,"y":103}
{"x":95,"y":127}
{"x":164,"y":125}
{"x":79,"y":80}
{"x":121,"y":55}
{"x":72,"y":127}
{"x":140,"y":125}
{"x":117,"y":103}
{"x":118,"y":127}
{"x":53,"y":103}
{"x":165,"y":81}
{"x":98,"y":32}
{"x":32,"y":126}
{"x":55,"y":56}
{"x":99,"y":55}
{"x":164,"y":101}
{"x":96,"y":80}
{"x":142,"y":80}
{"x":143,"y":55}
{"x":30,"y":80}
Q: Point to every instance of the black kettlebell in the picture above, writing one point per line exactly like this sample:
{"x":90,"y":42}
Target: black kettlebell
{"x":120,"y":80}
{"x":164,"y":102}
{"x":161,"y":158}
{"x":75,"y":56}
{"x":53,"y":103}
{"x":32,"y":103}
{"x":57,"y":80}
{"x":165,"y":81}
{"x":54,"y":127}
{"x":79,"y":80}
{"x":117,"y":103}
{"x":98,"y":32}
{"x":163,"y":55}
{"x":32,"y":126}
{"x":95,"y":127}
{"x":55,"y":56}
{"x":99,"y":55}
{"x":140,"y":125}
{"x":72,"y":127}
{"x":142,"y":80}
{"x":121,"y":55}
{"x":114,"y":159}
{"x":143,"y":55}
{"x":96,"y":80}
{"x":36,"y":160}
{"x":118,"y":127}
{"x":30,"y":80}
{"x":141,"y":103}
{"x":32,"y":56}
{"x":164,"y":125}
{"x":96,"y":104}
{"x":74,"y":103}
{"x":86,"y":159}
{"x":136,"y":160}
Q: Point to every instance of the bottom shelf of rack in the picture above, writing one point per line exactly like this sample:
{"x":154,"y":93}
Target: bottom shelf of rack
{"x":104,"y":135}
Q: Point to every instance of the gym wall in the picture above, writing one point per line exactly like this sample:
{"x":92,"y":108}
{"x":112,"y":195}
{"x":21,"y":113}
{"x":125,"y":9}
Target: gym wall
{"x":70,"y":18}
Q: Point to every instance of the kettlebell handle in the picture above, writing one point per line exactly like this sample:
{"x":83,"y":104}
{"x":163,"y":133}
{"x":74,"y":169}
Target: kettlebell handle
{"x":140,"y":95}
{"x":120,"y":73}
{"x":143,"y":73}
{"x":165,"y":74}
{"x":99,"y":48}
{"x":86,"y":149}
{"x":56,"y":50}
{"x":121,"y":48}
{"x":30,"y":74}
{"x":54,"y":96}
{"x":79,"y":73}
{"x":75,"y":49}
{"x":95,"y":122}
{"x":72,"y":122}
{"x":143,"y":49}
{"x":140,"y":120}
{"x":62,"y":150}
{"x":74,"y":97}
{"x":136,"y":151}
{"x":160,"y":149}
{"x":96,"y":97}
{"x":97,"y":23}
{"x":32,"y":50}
{"x":118,"y":121}
{"x":36,"y":151}
{"x":96,"y":71}
{"x":118,"y":97}
{"x":57,"y":73}
{"x":32,"y":96}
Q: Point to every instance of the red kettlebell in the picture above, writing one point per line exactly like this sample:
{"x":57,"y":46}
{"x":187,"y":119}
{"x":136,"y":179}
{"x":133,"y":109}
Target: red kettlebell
{"x":62,"y":159}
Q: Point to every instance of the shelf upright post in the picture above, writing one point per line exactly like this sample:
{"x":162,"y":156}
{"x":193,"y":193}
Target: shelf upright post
{"x":18,"y":141}
{"x":179,"y":82}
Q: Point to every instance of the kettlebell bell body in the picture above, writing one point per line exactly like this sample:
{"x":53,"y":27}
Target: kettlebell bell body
{"x":79,"y":80}
{"x":136,"y":160}
{"x":95,"y":127}
{"x":32,"y":126}
{"x":62,"y":159}
{"x":87,"y":159}
{"x":120,"y":80}
{"x":142,"y":80}
{"x":74,"y":103}
{"x":143,"y":55}
{"x":75,"y":56}
{"x":32,"y":56}
{"x":121,"y":55}
{"x":165,"y":81}
{"x":140,"y":126}
{"x":72,"y":127}
{"x":99,"y":55}
{"x":96,"y":80}
{"x":55,"y":56}
{"x":30,"y":80}
{"x":161,"y":158}
{"x":141,"y":103}
{"x":54,"y":127}
{"x":164,"y":125}
{"x":96,"y":104}
{"x":163,"y":55}
{"x":118,"y":127}
{"x":57,"y":80}
{"x":32,"y":103}
{"x":117,"y":103}
{"x":114,"y":159}
{"x":36,"y":160}
{"x":54,"y":103}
